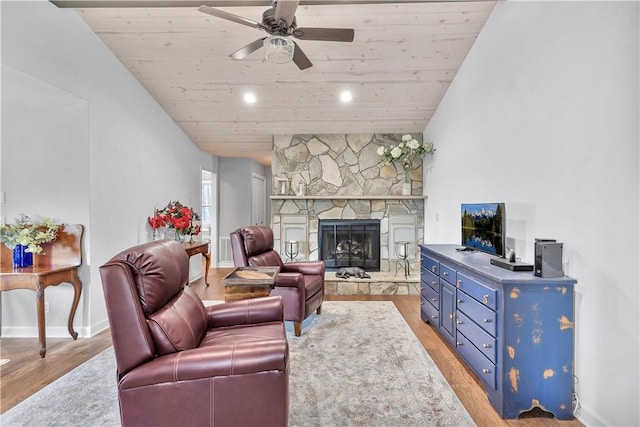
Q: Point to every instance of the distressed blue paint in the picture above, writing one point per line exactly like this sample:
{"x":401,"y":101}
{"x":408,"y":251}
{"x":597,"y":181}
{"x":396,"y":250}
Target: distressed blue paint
{"x":528,"y":319}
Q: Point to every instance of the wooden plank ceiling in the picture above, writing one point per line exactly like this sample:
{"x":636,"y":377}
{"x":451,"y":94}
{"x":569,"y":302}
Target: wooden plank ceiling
{"x":399,"y":66}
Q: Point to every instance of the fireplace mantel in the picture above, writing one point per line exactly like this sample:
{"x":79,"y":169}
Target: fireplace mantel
{"x":336,"y":197}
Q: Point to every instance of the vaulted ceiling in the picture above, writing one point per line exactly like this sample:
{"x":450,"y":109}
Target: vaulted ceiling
{"x":402,"y":60}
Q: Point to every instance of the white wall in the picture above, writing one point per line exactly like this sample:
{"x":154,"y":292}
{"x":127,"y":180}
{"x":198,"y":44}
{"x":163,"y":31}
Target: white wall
{"x":543,"y":115}
{"x":104,"y":152}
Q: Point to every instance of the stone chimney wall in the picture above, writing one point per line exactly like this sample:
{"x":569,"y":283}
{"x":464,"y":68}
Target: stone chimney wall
{"x":344,"y":165}
{"x":343,"y":178}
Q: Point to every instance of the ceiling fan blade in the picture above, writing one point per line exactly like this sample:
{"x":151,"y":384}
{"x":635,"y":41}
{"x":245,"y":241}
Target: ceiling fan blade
{"x":325,"y":34}
{"x":286,"y":11}
{"x":300,"y":58}
{"x":231,"y":17}
{"x":248,"y":49}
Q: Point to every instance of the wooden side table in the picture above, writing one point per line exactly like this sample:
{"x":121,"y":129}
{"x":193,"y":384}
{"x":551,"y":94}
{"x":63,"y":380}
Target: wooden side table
{"x":195,"y":248}
{"x":58,"y":264}
{"x":249,"y":282}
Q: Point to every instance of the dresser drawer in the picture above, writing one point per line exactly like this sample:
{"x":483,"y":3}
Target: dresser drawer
{"x":480,"y":314}
{"x":430,"y":264}
{"x":478,"y":336}
{"x":477,"y":290}
{"x":447,"y":273}
{"x":428,"y":278}
{"x":430,"y":295}
{"x":428,"y":313}
{"x":483,"y":368}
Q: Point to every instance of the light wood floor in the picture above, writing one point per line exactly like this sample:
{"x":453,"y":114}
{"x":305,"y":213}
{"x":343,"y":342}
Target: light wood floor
{"x":26,"y":373}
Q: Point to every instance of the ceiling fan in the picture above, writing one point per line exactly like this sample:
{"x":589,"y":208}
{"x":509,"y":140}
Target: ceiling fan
{"x":279,"y":21}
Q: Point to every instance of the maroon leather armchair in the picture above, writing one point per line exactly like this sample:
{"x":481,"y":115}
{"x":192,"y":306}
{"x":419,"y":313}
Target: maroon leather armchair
{"x":179,"y":363}
{"x":301,"y":284}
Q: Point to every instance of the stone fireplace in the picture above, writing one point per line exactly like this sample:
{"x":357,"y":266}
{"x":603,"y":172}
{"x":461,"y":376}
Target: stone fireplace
{"x":341,"y":177}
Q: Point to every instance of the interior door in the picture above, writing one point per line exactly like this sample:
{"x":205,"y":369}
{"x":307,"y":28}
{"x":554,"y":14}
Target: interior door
{"x":258,"y":200}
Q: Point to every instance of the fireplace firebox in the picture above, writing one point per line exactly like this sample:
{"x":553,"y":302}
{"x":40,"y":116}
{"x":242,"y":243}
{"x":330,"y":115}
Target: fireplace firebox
{"x":349,"y":243}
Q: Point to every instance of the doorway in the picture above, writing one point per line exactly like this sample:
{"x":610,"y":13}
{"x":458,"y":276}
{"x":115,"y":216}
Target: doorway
{"x":209,"y":211}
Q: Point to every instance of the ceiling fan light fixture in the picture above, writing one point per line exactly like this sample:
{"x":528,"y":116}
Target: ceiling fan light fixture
{"x":278,"y":49}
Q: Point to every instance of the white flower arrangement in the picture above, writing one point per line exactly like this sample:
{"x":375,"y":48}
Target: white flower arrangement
{"x":405,"y":151}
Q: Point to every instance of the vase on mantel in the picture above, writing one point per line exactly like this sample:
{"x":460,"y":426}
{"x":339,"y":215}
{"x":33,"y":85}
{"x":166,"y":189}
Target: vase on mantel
{"x":22,"y":258}
{"x":406,"y":185}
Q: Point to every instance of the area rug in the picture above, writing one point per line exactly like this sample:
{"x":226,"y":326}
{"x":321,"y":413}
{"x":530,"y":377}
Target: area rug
{"x":356,"y":364}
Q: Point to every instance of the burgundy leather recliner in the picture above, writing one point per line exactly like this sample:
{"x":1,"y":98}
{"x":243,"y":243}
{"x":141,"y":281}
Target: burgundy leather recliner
{"x":300,"y":283}
{"x":181,"y":363}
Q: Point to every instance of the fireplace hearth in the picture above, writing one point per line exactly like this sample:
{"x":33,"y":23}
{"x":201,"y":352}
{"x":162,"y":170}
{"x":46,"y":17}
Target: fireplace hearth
{"x":349,"y":243}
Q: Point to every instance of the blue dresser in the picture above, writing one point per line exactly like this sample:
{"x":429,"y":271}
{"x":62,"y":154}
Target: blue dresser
{"x":513,"y":330}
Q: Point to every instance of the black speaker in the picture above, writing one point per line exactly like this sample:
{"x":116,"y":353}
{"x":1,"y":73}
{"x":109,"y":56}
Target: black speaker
{"x":548,"y":258}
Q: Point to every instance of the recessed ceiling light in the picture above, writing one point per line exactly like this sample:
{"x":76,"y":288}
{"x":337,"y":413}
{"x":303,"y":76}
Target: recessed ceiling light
{"x":346,"y":96}
{"x":250,"y":98}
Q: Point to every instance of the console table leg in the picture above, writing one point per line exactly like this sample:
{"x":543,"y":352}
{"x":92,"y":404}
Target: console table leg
{"x":42,"y":336}
{"x":207,"y":258}
{"x":77,"y":291}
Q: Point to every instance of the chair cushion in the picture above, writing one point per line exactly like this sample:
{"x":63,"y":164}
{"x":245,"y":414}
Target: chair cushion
{"x":257,"y":240}
{"x":270,"y":258}
{"x":179,"y":325}
{"x":313,"y":284}
{"x":160,"y":270}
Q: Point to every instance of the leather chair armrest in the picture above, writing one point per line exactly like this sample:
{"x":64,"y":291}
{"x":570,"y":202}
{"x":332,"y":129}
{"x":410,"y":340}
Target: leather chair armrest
{"x":208,"y":362}
{"x":246,"y":312}
{"x":304,"y":267}
{"x":289,"y":280}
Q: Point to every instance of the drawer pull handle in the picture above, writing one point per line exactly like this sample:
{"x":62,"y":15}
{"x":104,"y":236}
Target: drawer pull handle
{"x":485,"y":345}
{"x":486,"y":320}
{"x":421,"y":288}
{"x":421,"y":302}
{"x":458,"y":322}
{"x":485,"y":299}
{"x":452,"y":316}
{"x":434,"y":283}
{"x":458,"y":282}
{"x":458,"y":344}
{"x":433,"y":268}
{"x":459,"y":301}
{"x":446,"y":273}
{"x":434,"y":299}
{"x":434,"y":317}
{"x":485,"y":371}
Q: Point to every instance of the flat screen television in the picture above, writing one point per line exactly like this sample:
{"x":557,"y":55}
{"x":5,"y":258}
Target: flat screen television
{"x":483,"y":227}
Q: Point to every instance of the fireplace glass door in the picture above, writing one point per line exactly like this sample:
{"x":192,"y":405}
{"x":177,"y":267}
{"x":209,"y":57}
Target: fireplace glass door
{"x":350,"y":243}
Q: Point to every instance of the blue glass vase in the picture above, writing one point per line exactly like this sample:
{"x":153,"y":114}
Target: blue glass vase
{"x":21,"y":258}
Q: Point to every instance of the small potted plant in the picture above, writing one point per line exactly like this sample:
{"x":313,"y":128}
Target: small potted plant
{"x":26,"y":237}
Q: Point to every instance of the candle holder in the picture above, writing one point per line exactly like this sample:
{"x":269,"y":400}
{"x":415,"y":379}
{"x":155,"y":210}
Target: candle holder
{"x":291,"y":249}
{"x":301,"y":189}
{"x":282,"y":186}
{"x":402,"y":252}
